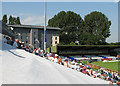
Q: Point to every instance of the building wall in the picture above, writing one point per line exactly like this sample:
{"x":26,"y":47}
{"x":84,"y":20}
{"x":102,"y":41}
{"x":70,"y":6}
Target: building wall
{"x":41,"y":38}
{"x":50,"y":34}
{"x":55,"y":40}
{"x":24,"y":34}
{"x":35,"y":36}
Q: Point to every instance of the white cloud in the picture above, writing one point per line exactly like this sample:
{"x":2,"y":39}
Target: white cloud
{"x":116,"y":1}
{"x":33,"y":20}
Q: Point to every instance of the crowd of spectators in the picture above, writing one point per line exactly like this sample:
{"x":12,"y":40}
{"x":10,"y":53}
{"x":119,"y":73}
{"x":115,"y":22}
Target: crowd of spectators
{"x":112,"y":77}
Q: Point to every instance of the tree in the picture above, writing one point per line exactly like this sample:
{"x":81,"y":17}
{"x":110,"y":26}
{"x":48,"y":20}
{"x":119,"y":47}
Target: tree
{"x":13,"y":22}
{"x":10,"y":19}
{"x":4,"y":19}
{"x":98,"y":25}
{"x":69,"y":22}
{"x":72,"y":43}
{"x":18,"y":20}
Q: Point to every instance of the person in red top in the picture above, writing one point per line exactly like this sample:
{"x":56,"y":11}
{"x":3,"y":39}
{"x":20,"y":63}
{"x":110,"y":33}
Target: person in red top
{"x":59,"y":60}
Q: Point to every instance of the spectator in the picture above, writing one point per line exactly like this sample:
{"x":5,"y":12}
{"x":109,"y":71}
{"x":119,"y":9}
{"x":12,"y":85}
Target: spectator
{"x":19,"y":44}
{"x":15,"y":44}
{"x":34,"y":51}
{"x":4,"y":40}
{"x":12,"y":41}
{"x":56,"y":58}
{"x":8,"y":40}
{"x":59,"y":60}
{"x":22,"y":45}
{"x":38,"y":51}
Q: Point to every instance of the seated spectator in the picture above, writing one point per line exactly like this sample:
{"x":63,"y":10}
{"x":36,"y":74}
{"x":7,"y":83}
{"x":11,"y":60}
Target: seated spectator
{"x":45,"y":54}
{"x":59,"y":60}
{"x":41,"y":53}
{"x":48,"y":54}
{"x":12,"y":41}
{"x":4,"y":40}
{"x":34,"y":51}
{"x":8,"y":40}
{"x":118,"y":83}
{"x":38,"y":51}
{"x":30,"y":48}
{"x":19,"y":44}
{"x":77,"y":67}
{"x":66,"y":62}
{"x":56,"y":58}
{"x":94,"y":73}
{"x":15,"y":44}
{"x":22,"y":45}
{"x":69,"y":64}
{"x":26,"y":48}
{"x":84,"y":71}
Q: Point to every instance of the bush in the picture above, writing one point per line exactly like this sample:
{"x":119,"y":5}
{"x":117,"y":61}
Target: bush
{"x":72,"y":43}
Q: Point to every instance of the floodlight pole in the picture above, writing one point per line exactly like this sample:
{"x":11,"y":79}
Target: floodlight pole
{"x":45,"y":31}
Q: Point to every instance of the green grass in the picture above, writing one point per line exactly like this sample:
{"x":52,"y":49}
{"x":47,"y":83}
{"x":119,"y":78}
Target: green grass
{"x":110,"y":65}
{"x":54,"y":49}
{"x":48,"y":49}
{"x":84,"y":62}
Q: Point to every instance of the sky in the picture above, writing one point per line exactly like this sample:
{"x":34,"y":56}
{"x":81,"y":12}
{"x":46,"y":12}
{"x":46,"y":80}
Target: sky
{"x":32,"y":13}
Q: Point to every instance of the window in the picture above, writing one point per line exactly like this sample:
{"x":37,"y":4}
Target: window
{"x":34,"y":38}
{"x":21,"y":37}
{"x":27,"y":37}
{"x":34,"y":42}
{"x":34,"y":34}
{"x":55,"y":38}
{"x":55,"y":42}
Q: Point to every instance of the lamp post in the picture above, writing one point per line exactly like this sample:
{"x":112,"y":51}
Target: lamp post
{"x":45,"y":31}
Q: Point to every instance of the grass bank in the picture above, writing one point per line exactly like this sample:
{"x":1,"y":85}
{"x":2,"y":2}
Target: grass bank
{"x":110,"y":65}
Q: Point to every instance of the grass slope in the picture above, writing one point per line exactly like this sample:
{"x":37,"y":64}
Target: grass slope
{"x":111,"y":65}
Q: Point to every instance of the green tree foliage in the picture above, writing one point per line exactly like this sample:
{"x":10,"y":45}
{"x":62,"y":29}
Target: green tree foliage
{"x":72,"y":43}
{"x":10,"y":19}
{"x":69,"y":22}
{"x":117,"y":43}
{"x":4,"y":19}
{"x":92,"y":31}
{"x":18,"y":20}
{"x":14,"y":20}
{"x":97,"y":24}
